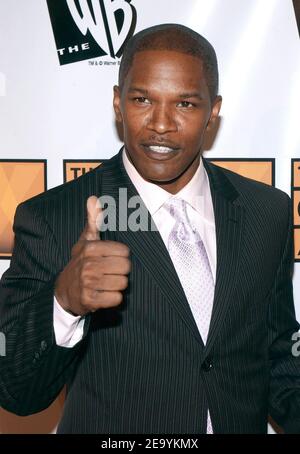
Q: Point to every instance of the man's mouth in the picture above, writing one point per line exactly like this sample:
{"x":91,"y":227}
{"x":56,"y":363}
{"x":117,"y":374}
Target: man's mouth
{"x":160,"y":149}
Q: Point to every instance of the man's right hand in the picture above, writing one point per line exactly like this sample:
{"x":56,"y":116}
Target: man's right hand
{"x":97,"y":272}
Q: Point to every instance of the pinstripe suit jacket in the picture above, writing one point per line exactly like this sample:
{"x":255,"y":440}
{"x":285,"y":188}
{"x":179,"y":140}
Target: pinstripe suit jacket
{"x":142,"y":367}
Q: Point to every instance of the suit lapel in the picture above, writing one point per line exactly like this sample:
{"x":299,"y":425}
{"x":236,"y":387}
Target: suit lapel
{"x":147,"y":246}
{"x":229,"y":219}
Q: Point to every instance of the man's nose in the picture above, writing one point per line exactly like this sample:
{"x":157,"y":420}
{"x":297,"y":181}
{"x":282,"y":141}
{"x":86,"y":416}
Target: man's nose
{"x":162,"y":120}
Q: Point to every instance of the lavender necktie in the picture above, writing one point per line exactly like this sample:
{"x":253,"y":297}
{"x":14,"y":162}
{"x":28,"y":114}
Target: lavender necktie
{"x":190,"y":260}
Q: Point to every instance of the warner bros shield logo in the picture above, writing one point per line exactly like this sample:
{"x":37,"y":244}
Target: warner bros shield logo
{"x":85,"y":29}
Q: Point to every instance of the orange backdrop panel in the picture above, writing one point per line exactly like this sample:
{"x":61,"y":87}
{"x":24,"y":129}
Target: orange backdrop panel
{"x":296,"y":172}
{"x":18,"y":181}
{"x":256,"y":170}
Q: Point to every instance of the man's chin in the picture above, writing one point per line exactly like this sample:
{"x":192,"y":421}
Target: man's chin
{"x":161,"y":180}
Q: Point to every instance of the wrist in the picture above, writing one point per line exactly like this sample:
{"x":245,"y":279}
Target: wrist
{"x":61,"y":298}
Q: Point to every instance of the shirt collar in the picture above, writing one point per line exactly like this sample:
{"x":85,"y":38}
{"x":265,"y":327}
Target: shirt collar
{"x":154,"y":196}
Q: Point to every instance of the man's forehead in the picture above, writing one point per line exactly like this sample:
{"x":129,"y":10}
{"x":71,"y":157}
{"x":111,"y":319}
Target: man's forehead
{"x":148,"y":55}
{"x":162,"y":64}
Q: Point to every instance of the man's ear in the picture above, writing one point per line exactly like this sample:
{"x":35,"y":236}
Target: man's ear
{"x":117,"y":104}
{"x":216,"y":107}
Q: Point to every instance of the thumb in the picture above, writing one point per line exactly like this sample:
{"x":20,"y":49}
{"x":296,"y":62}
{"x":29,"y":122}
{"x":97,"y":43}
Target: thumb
{"x":94,"y":219}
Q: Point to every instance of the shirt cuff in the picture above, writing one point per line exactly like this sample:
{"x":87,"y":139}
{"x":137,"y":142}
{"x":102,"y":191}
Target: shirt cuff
{"x":68,"y":328}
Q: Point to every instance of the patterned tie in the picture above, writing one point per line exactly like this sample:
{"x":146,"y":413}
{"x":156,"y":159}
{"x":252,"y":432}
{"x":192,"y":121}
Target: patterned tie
{"x":190,"y":260}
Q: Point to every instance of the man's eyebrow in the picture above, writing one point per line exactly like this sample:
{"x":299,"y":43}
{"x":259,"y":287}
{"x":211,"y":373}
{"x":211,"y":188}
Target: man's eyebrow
{"x":193,"y":94}
{"x":140,"y":90}
{"x":185,"y":95}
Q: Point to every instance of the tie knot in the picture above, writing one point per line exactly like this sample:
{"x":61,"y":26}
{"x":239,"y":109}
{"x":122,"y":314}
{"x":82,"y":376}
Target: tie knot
{"x":183,"y":228}
{"x":177,"y":208}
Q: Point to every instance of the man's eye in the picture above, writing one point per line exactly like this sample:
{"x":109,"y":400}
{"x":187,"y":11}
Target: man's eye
{"x":185,"y":104}
{"x":142,"y":100}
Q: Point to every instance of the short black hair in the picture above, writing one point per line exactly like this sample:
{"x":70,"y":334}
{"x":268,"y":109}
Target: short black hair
{"x":174,"y":37}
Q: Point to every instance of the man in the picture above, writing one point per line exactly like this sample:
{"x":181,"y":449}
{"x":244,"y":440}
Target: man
{"x":183,"y":329}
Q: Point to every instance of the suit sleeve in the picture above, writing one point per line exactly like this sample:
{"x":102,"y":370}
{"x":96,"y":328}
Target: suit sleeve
{"x":34,"y":369}
{"x":284,"y":398}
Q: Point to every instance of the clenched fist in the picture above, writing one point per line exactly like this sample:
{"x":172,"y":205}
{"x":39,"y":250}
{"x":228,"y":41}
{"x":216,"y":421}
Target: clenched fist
{"x":97,"y":272}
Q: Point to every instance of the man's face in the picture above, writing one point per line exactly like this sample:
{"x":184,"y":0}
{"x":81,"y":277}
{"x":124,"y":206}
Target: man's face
{"x":165,"y":109}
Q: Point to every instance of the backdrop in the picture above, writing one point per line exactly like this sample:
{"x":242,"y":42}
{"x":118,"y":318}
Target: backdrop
{"x":59,"y":60}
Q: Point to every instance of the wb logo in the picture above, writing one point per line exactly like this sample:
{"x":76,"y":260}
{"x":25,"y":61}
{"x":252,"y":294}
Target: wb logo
{"x":85,"y":29}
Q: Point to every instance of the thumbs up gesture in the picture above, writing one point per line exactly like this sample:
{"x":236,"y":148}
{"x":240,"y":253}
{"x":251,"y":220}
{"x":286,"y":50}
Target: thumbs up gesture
{"x":97,"y":272}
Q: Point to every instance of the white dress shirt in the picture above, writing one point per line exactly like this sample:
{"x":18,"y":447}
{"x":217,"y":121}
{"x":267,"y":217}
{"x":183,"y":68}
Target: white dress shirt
{"x":68,"y":328}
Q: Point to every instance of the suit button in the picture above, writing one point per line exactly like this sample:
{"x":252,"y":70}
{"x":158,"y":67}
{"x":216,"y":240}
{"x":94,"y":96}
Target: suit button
{"x":43,"y":346}
{"x":207,"y":365}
